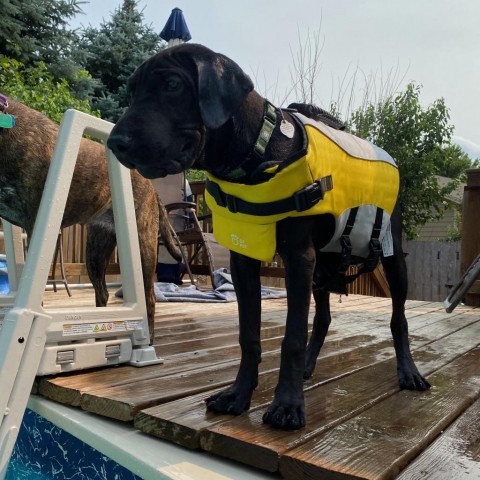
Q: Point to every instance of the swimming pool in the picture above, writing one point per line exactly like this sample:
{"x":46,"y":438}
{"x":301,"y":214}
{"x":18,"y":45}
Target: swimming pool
{"x":44,"y":451}
{"x":72,"y":444}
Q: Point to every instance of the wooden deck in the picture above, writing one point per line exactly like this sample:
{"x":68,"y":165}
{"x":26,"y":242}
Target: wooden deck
{"x":359,"y":425}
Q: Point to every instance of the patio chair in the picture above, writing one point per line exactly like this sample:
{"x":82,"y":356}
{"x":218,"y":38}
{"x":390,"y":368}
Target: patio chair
{"x":201,"y":253}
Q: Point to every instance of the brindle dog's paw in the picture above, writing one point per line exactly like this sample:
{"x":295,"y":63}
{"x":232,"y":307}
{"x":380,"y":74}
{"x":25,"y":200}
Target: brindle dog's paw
{"x":285,"y":417}
{"x":228,"y":401}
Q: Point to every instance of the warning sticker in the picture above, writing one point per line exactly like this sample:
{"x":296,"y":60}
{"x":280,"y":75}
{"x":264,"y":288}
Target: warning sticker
{"x":70,"y":329}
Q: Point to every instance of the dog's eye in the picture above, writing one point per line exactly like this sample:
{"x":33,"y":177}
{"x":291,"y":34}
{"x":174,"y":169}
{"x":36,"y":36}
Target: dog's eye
{"x":172,"y":84}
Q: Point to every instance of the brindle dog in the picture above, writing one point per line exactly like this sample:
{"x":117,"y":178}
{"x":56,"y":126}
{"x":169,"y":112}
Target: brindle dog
{"x":25,"y":153}
{"x":193,"y":108}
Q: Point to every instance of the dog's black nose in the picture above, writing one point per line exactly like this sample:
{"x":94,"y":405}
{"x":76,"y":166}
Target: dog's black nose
{"x":119,"y":144}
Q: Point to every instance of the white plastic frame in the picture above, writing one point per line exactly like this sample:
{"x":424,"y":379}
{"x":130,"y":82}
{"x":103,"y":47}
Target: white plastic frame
{"x":30,"y":335}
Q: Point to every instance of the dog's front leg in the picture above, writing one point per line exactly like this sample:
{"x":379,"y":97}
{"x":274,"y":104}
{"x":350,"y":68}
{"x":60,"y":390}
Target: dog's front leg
{"x":295,"y":246}
{"x":246,"y":279}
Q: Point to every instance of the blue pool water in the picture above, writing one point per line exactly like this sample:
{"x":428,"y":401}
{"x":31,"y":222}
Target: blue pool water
{"x":46,"y":452}
{"x":4,"y":287}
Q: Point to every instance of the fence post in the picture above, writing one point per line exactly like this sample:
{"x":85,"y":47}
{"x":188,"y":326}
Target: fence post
{"x":471,"y":231}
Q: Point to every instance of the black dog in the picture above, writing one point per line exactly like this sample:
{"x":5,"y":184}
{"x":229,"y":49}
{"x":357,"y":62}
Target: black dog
{"x":191,"y":107}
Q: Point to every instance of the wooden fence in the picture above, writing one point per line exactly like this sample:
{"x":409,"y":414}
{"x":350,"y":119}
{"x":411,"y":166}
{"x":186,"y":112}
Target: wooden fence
{"x":74,"y":241}
{"x":432,"y":268}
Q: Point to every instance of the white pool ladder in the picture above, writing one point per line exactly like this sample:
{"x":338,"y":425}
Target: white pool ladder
{"x":34,"y":340}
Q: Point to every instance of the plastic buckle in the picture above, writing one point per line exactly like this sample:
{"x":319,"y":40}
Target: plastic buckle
{"x":308,"y":196}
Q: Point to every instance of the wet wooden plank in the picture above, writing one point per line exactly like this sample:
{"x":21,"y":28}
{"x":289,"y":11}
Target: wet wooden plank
{"x":246,"y":439}
{"x":454,"y":455}
{"x":124,"y":401}
{"x":327,"y":405}
{"x":183,"y":357}
{"x":111,"y":388}
{"x":381,"y":441}
{"x":115,"y":400}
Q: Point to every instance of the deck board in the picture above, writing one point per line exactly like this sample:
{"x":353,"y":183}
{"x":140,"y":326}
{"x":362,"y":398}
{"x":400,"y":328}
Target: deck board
{"x":359,"y":425}
{"x":455,"y":454}
{"x":329,"y":401}
{"x":381,"y":441}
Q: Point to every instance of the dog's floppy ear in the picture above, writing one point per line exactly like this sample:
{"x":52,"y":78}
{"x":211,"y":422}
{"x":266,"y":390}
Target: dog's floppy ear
{"x":222,"y":87}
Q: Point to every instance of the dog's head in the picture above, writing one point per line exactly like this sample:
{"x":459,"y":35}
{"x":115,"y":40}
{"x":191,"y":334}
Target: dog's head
{"x":176,"y":96}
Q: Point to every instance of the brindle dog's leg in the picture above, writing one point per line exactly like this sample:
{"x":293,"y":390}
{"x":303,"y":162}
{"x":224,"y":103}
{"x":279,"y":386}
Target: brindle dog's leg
{"x":396,"y":270}
{"x":246,"y":279}
{"x":296,"y":248}
{"x":101,"y":242}
{"x":321,"y":324}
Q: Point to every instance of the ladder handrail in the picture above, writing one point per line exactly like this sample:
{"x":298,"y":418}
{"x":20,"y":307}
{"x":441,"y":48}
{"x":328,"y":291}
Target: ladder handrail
{"x":463,"y":286}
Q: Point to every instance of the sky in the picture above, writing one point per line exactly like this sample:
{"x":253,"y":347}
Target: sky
{"x":435,"y":43}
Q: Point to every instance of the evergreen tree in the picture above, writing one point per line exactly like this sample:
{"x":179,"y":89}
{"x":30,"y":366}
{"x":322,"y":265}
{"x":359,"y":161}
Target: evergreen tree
{"x":112,"y":52}
{"x":37,"y":31}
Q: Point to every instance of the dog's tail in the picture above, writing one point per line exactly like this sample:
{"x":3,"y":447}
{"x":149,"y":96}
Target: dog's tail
{"x":166,"y":233}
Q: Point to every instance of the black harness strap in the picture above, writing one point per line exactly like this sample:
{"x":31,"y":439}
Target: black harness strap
{"x":375,"y":248}
{"x":371,"y":261}
{"x":339,"y":280}
{"x":300,"y":201}
{"x":345,"y":242}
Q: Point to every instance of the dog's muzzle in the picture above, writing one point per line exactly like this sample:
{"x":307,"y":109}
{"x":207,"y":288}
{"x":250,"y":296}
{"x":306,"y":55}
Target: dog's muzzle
{"x":120,"y":145}
{"x":153,"y":164}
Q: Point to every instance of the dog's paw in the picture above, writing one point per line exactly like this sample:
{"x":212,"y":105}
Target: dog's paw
{"x":410,"y":379}
{"x":285,"y":417}
{"x":228,"y":401}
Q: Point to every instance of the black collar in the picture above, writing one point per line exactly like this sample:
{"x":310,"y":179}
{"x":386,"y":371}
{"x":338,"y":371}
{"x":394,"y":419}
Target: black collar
{"x":256,"y":156}
{"x":268,"y":125}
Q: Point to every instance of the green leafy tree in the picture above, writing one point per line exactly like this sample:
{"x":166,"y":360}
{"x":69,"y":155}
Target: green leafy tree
{"x":419,"y":139}
{"x":112,"y":52}
{"x":452,"y":162}
{"x":37,"y":88}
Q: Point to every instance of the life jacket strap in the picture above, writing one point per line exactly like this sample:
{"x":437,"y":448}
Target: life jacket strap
{"x":300,"y":201}
{"x":375,"y":248}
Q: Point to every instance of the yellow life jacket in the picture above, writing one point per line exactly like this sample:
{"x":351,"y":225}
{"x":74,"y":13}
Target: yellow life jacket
{"x":353,"y":173}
